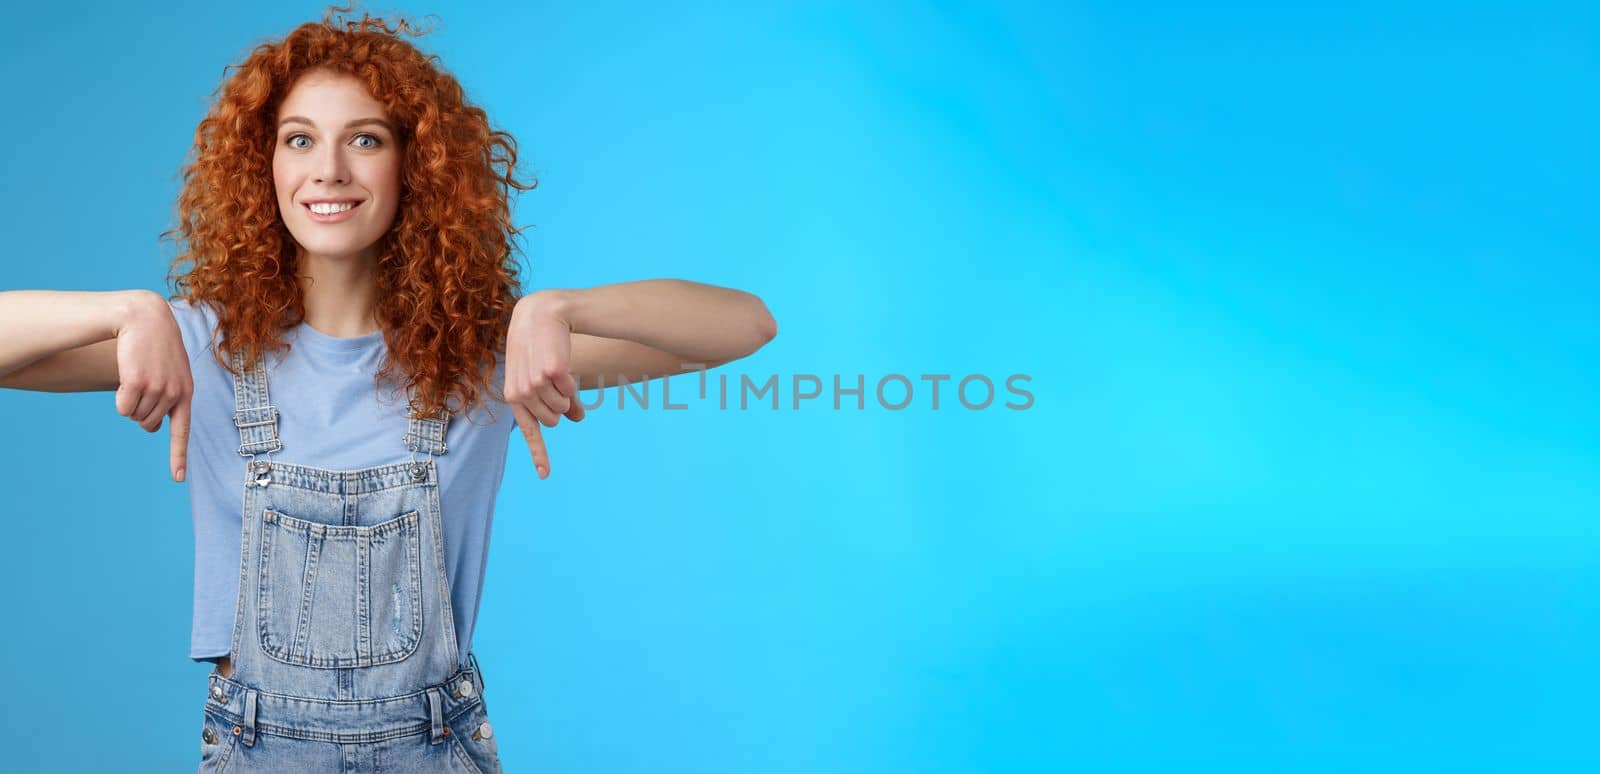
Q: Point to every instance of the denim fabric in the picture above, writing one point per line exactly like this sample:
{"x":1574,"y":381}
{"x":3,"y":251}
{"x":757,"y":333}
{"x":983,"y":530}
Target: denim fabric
{"x":344,"y":653}
{"x":339,"y":417}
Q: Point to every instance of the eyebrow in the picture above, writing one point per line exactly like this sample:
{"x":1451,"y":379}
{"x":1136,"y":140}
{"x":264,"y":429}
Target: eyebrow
{"x":352,"y":124}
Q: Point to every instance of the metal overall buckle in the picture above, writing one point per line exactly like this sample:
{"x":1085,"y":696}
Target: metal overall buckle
{"x":261,"y":470}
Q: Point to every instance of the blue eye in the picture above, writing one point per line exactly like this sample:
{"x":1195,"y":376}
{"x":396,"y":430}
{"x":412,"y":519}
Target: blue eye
{"x":291,"y":141}
{"x":373,"y":138}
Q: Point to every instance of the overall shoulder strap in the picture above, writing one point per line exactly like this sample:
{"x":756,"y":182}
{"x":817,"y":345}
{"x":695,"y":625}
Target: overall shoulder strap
{"x":427,"y":434}
{"x":253,"y":412}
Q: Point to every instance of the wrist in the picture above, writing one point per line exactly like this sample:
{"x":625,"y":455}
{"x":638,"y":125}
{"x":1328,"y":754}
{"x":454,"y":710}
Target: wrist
{"x":555,"y":304}
{"x":129,"y":305}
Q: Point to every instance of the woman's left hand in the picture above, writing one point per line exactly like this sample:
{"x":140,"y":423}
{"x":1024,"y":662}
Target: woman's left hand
{"x":539,"y":383}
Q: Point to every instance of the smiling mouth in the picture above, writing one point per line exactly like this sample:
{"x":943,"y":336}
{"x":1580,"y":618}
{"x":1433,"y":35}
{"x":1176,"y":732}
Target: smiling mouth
{"x":331,"y":212}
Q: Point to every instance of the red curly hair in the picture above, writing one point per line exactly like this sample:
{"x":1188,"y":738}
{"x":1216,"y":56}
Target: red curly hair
{"x":447,"y":281}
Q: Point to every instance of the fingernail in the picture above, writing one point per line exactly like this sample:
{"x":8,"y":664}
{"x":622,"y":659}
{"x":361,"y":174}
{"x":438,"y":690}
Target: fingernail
{"x":181,"y":471}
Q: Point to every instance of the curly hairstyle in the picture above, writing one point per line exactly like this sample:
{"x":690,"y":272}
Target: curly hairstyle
{"x":447,"y":282}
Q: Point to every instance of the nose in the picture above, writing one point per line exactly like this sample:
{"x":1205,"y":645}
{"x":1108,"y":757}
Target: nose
{"x":331,"y":166}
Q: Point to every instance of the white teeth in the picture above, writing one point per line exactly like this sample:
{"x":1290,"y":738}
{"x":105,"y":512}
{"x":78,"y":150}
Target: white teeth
{"x":325,"y":208}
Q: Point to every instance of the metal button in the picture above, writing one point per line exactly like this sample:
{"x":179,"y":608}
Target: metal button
{"x":237,"y":730}
{"x":465,"y":689}
{"x":208,"y":736}
{"x":419,"y":472}
{"x":484,"y":731}
{"x":216,"y":692}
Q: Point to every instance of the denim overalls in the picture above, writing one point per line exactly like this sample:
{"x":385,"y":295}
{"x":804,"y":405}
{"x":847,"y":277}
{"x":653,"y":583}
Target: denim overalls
{"x":344,"y":645}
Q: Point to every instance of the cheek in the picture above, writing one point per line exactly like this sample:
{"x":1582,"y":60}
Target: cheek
{"x":387,"y":176}
{"x":283,"y":181}
{"x":385,"y":187}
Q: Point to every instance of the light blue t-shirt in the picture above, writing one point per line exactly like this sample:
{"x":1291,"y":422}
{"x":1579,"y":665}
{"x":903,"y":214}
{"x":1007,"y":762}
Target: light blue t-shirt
{"x":330,"y":415}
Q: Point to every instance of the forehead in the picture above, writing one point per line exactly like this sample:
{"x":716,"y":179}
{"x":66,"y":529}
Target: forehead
{"x":330,"y":98}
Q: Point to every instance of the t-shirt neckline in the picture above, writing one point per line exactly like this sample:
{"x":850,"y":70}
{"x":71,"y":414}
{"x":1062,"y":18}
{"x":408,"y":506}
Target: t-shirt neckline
{"x":323,"y":341}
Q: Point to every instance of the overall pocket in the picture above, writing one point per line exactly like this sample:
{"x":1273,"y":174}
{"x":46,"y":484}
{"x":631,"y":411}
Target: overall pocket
{"x":216,"y":741}
{"x":339,"y":596}
{"x":473,"y":737}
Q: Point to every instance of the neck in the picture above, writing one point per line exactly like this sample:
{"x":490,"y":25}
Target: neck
{"x":340,"y":293}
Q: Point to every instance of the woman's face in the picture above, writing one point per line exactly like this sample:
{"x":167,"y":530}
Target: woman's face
{"x":335,"y":165}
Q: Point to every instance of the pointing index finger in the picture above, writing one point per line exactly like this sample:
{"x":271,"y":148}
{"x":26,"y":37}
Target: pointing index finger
{"x":179,"y":428}
{"x":530,"y":433}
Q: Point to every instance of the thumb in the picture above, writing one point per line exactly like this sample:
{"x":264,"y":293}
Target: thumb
{"x":535,"y":439}
{"x":179,"y":427}
{"x":127,"y":398}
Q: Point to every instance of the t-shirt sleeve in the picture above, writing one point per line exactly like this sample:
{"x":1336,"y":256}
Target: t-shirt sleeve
{"x":498,"y":380}
{"x":196,"y":323}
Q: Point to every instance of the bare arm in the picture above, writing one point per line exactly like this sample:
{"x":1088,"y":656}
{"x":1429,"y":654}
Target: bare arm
{"x":561,"y":341}
{"x":63,"y":340}
{"x":632,"y":331}
{"x":79,"y":341}
{"x":599,"y":362}
{"x":89,"y":368}
{"x":689,"y":319}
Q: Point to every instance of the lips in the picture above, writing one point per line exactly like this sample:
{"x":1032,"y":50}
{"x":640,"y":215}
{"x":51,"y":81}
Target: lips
{"x":341,"y":209}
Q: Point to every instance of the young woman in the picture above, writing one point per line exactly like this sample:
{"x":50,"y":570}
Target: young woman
{"x":348,"y":344}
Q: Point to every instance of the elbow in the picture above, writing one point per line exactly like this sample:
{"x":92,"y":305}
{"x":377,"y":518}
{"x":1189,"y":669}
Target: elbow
{"x":764,"y":326}
{"x":747,"y":327}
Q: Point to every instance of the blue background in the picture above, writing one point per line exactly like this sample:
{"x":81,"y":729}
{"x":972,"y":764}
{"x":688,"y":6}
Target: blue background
{"x":1307,"y":297}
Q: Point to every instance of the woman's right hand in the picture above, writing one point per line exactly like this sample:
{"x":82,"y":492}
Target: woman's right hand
{"x":153,"y":368}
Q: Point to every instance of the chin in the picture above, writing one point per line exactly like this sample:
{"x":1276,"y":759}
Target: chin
{"x":334,"y":248}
